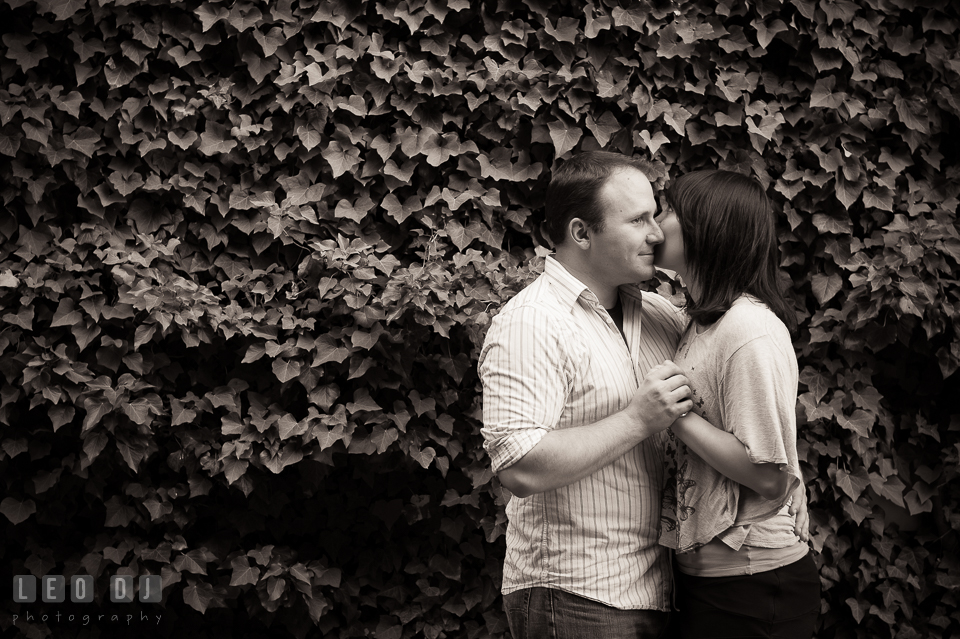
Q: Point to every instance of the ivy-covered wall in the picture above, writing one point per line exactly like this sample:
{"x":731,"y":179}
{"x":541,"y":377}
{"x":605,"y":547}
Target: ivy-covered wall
{"x":249,"y":250}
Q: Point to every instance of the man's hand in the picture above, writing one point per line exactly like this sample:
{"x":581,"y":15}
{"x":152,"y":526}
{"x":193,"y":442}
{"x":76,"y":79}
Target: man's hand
{"x":663,"y":396}
{"x":798,"y":507}
{"x":567,"y":455}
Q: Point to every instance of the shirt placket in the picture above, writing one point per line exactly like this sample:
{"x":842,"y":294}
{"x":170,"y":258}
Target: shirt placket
{"x":631,"y":309}
{"x":598,"y":308}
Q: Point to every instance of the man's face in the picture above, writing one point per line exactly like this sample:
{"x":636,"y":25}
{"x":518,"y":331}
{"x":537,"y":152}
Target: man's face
{"x":622,"y":253}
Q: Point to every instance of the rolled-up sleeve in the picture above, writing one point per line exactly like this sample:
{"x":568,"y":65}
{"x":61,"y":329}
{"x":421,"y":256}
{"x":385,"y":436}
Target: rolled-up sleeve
{"x":526,"y":377}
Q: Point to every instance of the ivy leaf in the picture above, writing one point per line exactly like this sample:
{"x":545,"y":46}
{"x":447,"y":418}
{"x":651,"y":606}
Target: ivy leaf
{"x":767,"y":32}
{"x":853,"y":485}
{"x":893,"y":490}
{"x":62,"y":9}
{"x":383,"y":438}
{"x":655,"y":142}
{"x":243,"y":17}
{"x":849,"y":192}
{"x":96,"y":408}
{"x":424,"y":456}
{"x":234,"y":469}
{"x":60,"y":415}
{"x":120,"y":74}
{"x":215,"y":141}
{"x":603,"y":127}
{"x":285,"y":370}
{"x":824,"y":94}
{"x":328,"y":576}
{"x":437,"y":148}
{"x":276,"y":586}
{"x":243,"y":572}
{"x":825,"y":287}
{"x":362,"y":402}
{"x":911,"y":113}
{"x":400,"y":212}
{"x":70,"y":103}
{"x":135,"y":451}
{"x":328,"y":349}
{"x":260,"y":67}
{"x":348,"y":210}
{"x":209,"y":15}
{"x":316,"y":606}
{"x":44,"y":480}
{"x":457,"y":234}
{"x":143,"y":334}
{"x":17,"y":511}
{"x":66,"y":315}
{"x":198,"y":595}
{"x":422,"y":405}
{"x":879,"y":198}
{"x":270,"y":41}
{"x":140,"y":410}
{"x":915,"y":505}
{"x":85,"y":140}
{"x":341,"y":159}
{"x":287,"y":456}
{"x":26,"y":50}
{"x":119,"y":515}
{"x":633,"y":18}
{"x":859,"y":422}
{"x":179,"y":414}
{"x":262,"y":555}
{"x":14,"y":447}
{"x":191,"y":562}
{"x":184,"y":141}
{"x":288,"y":426}
{"x":830,"y":224}
{"x":564,"y":137}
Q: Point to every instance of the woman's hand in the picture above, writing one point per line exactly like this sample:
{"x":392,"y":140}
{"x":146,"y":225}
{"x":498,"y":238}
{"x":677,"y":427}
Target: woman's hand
{"x":798,"y":507}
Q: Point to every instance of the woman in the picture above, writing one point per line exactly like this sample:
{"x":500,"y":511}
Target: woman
{"x":741,"y":569}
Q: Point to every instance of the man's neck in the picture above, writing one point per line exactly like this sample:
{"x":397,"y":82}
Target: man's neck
{"x":606,"y":294}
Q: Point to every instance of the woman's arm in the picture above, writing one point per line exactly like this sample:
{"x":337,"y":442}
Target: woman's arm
{"x":724,"y":452}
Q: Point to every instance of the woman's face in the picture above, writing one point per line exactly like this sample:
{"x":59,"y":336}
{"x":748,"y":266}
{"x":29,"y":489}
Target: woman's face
{"x":669,"y":254}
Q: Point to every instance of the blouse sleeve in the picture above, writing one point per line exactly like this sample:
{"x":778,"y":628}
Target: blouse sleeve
{"x":758,"y":392}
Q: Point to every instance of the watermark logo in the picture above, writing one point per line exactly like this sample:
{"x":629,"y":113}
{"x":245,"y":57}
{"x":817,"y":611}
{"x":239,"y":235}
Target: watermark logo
{"x":53,"y":587}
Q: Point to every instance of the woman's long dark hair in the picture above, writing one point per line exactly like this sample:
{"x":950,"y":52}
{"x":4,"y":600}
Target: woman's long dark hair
{"x":729,"y":243}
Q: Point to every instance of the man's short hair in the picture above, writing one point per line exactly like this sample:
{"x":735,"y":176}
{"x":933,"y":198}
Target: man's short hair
{"x":574,"y":189}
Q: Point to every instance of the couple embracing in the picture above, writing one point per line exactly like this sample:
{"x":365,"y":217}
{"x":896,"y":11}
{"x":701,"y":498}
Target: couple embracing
{"x":651,"y":451}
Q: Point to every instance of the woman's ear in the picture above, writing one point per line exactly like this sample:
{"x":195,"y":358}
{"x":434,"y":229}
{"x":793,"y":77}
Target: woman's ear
{"x":579,"y":233}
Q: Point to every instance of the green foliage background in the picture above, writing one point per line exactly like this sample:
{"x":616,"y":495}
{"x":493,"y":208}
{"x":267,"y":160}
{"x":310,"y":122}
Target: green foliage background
{"x":249,"y":251}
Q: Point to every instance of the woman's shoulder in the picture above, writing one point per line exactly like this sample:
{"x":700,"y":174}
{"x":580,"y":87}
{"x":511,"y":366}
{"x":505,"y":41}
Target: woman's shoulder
{"x":749,"y":319}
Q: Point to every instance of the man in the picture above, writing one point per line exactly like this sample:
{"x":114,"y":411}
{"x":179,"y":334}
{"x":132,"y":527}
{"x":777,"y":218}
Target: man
{"x":578,"y":388}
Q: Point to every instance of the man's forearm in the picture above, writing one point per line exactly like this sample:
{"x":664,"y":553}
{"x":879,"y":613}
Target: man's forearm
{"x":568,"y":455}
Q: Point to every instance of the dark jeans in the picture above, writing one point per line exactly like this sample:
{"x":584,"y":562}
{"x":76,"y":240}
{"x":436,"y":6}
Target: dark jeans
{"x":780,"y":604}
{"x":545,"y":613}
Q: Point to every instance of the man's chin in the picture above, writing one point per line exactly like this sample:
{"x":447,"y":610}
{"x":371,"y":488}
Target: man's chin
{"x":645,"y":274}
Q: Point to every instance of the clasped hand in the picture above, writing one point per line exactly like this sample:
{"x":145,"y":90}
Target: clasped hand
{"x":663,"y":396}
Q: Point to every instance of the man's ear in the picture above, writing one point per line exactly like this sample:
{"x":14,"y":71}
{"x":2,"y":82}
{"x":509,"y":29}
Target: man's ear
{"x":579,"y":233}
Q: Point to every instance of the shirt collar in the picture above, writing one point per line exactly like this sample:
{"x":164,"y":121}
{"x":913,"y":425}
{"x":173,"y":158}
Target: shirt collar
{"x":570,"y":289}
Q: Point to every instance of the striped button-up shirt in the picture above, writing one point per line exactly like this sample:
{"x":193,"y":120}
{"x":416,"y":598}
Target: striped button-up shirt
{"x":553,"y":359}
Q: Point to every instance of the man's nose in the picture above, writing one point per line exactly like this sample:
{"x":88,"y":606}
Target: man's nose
{"x":656,"y":235}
